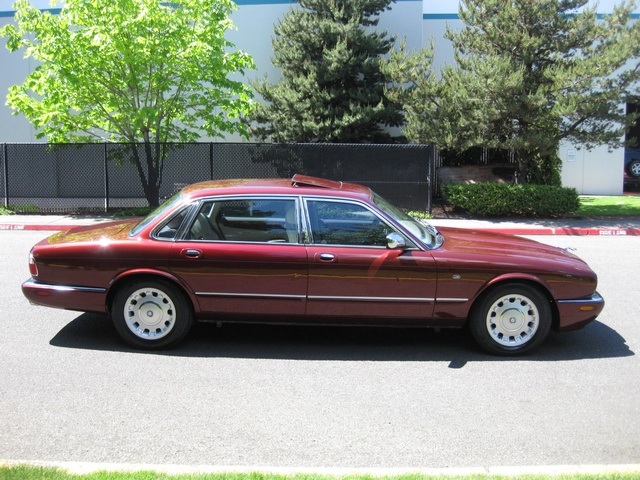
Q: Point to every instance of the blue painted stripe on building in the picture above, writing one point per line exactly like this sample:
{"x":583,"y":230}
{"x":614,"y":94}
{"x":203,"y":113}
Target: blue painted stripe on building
{"x":263,"y":2}
{"x":11,"y":13}
{"x":455,"y":16}
{"x":440,"y":16}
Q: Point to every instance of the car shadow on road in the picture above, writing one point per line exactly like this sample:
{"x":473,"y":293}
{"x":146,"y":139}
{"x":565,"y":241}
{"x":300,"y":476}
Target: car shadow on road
{"x":95,"y":332}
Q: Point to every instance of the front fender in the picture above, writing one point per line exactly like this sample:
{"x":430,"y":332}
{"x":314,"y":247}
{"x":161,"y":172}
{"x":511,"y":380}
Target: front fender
{"x":518,"y":278}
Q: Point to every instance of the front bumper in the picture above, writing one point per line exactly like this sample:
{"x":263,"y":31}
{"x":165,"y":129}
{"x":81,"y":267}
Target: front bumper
{"x":68,"y":297}
{"x":576,"y":313}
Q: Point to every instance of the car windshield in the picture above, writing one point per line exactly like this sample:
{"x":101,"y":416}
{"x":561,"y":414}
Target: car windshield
{"x":426,"y":233}
{"x":159,"y":211}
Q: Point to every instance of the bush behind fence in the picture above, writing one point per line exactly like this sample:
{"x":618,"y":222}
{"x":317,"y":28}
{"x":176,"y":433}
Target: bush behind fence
{"x":87,"y":178}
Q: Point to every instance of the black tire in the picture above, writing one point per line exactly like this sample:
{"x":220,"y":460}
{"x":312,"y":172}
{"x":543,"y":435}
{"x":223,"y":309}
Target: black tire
{"x":633,"y":168}
{"x":511,"y":319}
{"x":151,"y":314}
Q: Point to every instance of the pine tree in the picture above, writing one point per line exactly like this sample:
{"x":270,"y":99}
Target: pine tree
{"x":332,"y":89}
{"x":528,"y":75}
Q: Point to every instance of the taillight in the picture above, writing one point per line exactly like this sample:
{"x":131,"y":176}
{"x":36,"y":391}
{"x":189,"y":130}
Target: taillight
{"x":33,"y":268}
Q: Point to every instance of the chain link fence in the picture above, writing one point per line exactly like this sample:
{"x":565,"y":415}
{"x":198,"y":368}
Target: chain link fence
{"x":89,"y":178}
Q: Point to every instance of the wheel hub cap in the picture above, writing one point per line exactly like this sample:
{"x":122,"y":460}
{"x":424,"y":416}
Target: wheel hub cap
{"x":150,"y":313}
{"x":512,"y":320}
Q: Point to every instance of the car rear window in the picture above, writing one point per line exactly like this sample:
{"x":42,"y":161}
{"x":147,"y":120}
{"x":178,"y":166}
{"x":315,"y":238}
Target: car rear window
{"x":158,"y":212}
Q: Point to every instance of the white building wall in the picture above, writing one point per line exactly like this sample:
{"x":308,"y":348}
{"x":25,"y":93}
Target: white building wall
{"x":13,"y":128}
{"x":254,"y":20}
{"x":592,"y":172}
{"x":417,"y":21}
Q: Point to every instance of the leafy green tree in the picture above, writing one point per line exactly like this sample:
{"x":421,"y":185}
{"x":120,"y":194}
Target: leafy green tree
{"x":132,"y":71}
{"x":332,"y":89}
{"x":528,"y":75}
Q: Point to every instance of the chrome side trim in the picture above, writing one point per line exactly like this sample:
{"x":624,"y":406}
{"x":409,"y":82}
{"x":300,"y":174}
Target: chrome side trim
{"x":371,"y":299}
{"x":252,"y":295}
{"x":31,"y":283}
{"x":452,"y":300}
{"x":595,"y":298}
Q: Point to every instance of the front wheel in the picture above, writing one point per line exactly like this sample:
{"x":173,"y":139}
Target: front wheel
{"x":151,"y":314}
{"x":511,"y":319}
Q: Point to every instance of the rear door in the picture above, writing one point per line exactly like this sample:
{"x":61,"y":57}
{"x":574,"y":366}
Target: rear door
{"x":242,"y":255}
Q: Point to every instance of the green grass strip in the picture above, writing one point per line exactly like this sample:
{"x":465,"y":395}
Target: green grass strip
{"x":623,"y":206}
{"x":26,"y":472}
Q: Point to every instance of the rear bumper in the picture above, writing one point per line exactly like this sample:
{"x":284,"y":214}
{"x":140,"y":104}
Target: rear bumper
{"x":576,"y":313}
{"x":68,"y":297}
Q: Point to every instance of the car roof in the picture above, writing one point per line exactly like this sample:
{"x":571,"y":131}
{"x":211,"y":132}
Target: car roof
{"x":298,"y":185}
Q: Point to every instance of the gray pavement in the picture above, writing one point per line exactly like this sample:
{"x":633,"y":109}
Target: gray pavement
{"x":597,"y":226}
{"x":261,"y":401}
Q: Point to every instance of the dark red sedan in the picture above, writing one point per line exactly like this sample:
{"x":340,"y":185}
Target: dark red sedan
{"x":308,"y":250}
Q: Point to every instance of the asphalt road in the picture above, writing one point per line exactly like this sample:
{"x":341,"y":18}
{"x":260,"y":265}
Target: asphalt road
{"x":320,"y":397}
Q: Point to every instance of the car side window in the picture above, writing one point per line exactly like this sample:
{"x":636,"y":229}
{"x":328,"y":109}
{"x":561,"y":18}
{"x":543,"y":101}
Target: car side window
{"x":170,"y":229}
{"x":341,"y":223}
{"x":247,"y":220}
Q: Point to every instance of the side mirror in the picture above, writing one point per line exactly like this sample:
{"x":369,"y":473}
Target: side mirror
{"x":395,"y":241}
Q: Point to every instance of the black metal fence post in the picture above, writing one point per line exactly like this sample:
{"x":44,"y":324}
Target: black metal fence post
{"x":431,"y":152}
{"x":211,"y":160}
{"x":106,"y":178}
{"x":5,"y":166}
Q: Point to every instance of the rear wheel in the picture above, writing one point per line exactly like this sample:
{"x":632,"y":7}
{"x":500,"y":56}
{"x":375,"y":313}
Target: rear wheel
{"x":511,"y":319}
{"x":151,"y":314}
{"x":634,"y":168}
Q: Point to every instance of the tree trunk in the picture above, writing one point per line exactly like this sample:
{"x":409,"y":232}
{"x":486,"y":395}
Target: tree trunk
{"x":151,"y":179}
{"x":152,"y":190}
{"x":524,"y":160}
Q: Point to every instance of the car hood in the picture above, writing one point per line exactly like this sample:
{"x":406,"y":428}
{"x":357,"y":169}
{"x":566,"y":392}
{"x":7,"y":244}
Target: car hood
{"x":118,"y":230}
{"x":478,"y":243}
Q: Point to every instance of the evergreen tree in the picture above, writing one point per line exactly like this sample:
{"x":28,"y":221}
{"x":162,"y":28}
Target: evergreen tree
{"x":528,"y":75}
{"x":332,"y":89}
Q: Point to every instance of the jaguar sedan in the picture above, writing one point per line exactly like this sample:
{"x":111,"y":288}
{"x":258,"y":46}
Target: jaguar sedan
{"x":308,"y":250}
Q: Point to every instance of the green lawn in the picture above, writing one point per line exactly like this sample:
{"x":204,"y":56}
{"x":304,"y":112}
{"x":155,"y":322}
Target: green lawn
{"x":23,"y":472}
{"x":626,"y":205}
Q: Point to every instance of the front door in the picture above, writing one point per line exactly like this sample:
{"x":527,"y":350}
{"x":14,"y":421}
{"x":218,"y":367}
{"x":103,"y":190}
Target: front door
{"x":352,"y":273}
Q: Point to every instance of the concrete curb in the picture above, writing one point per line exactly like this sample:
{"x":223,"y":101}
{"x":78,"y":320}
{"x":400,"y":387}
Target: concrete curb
{"x":31,"y":227}
{"x":575,"y":231}
{"x":83,"y":468}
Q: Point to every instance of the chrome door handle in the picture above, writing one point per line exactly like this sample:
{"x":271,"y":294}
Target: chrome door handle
{"x":192,"y":253}
{"x":327,"y":257}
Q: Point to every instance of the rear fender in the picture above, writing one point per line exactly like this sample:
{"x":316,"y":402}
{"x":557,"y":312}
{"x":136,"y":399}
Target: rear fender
{"x":139,"y":274}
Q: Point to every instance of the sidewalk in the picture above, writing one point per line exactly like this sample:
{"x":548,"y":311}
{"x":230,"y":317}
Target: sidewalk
{"x":600,"y":226}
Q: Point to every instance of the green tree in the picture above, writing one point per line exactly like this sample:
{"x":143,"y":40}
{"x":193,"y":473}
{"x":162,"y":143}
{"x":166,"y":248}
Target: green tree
{"x":132,"y":71}
{"x":528,"y":75}
{"x":332,"y":89}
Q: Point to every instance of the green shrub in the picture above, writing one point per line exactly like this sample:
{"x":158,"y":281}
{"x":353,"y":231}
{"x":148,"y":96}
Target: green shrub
{"x":134,"y":212}
{"x":545,"y":171}
{"x":504,"y":200}
{"x":419,"y":214}
{"x":26,"y":208}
